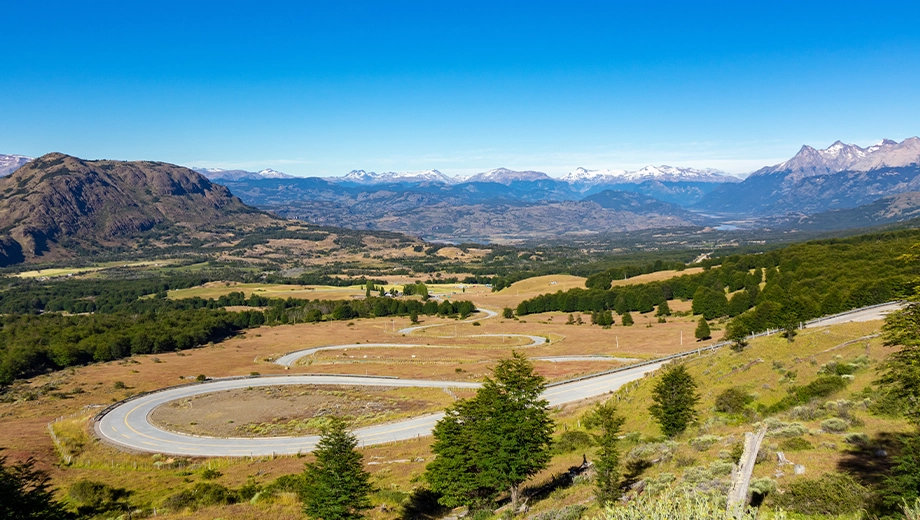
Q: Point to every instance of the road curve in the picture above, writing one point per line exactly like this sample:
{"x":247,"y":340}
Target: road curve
{"x":128,"y":427}
{"x":291,"y":358}
{"x":489,"y":314}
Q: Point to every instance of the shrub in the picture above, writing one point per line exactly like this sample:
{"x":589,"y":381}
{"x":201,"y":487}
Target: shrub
{"x":733,"y":400}
{"x":572,"y":512}
{"x":795,"y":444}
{"x":201,"y":377}
{"x":820,"y":387}
{"x":652,"y":452}
{"x":672,"y":504}
{"x":704,"y":442}
{"x":832,"y":494}
{"x":777,"y":428}
{"x":93,"y":498}
{"x":857,"y":439}
{"x":834,"y":425}
{"x":572,"y":440}
{"x":211,"y":474}
{"x":119,"y":385}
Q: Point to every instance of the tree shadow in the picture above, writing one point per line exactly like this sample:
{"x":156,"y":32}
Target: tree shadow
{"x":871,"y":462}
{"x":634,"y":469}
{"x":563,"y":480}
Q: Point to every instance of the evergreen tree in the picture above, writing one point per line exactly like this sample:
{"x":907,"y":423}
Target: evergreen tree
{"x":627,"y":319}
{"x":336,"y":487}
{"x":25,"y":494}
{"x":507,"y":313}
{"x":702,"y":330}
{"x":607,"y":424}
{"x":494,"y":441}
{"x":675,"y":400}
{"x":663,"y":309}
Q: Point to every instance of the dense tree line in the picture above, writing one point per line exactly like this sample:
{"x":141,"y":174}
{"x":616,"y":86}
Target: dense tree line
{"x":761,"y":291}
{"x":57,"y":325}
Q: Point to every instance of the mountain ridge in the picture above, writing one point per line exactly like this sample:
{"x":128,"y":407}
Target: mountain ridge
{"x":58,"y":204}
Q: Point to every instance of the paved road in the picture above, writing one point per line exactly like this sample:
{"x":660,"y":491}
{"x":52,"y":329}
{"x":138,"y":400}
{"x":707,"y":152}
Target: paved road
{"x":291,"y":358}
{"x":875,"y":313}
{"x":489,"y":314}
{"x":127,"y":425}
{"x":566,"y":359}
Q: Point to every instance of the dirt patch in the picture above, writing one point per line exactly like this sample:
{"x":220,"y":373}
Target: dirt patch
{"x":293,"y":410}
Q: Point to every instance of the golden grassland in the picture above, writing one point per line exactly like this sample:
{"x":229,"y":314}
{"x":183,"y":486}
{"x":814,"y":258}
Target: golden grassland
{"x":396,"y":467}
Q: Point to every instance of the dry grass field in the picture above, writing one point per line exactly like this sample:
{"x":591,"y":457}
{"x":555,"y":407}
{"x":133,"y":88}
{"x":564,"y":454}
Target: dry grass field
{"x":448,"y":352}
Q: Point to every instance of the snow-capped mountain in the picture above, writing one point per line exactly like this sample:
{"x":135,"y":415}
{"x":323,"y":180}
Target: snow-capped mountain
{"x":216,"y":174}
{"x":663,"y":173}
{"x":11,"y":163}
{"x":840,"y":157}
{"x":839,"y":176}
{"x":423,"y":176}
{"x":506,"y":176}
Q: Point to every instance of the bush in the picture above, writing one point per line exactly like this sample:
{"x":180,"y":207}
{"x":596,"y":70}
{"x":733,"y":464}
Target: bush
{"x":795,"y":444}
{"x":572,"y":512}
{"x":777,"y":428}
{"x":211,"y":474}
{"x":704,"y":442}
{"x":798,"y":395}
{"x":93,"y":498}
{"x":834,"y":425}
{"x":733,"y":400}
{"x":671,"y":504}
{"x":572,"y":440}
{"x":857,"y":439}
{"x":202,"y":495}
{"x":832,"y":494}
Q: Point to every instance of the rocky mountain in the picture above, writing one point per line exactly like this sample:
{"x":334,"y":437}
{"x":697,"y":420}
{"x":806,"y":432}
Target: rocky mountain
{"x":11,"y":163}
{"x":218,"y":174}
{"x":664,"y":173}
{"x":506,"y":176}
{"x":60,"y":206}
{"x":474,"y":211}
{"x":839,"y":176}
{"x":364,"y":177}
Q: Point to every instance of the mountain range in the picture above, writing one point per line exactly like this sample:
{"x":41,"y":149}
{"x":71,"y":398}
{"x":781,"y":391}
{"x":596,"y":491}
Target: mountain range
{"x":218,"y":174}
{"x":839,"y":176}
{"x":814,"y":188}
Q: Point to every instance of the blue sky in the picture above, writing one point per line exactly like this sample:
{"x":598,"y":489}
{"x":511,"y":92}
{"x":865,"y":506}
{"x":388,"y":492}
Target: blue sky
{"x":321,"y":88}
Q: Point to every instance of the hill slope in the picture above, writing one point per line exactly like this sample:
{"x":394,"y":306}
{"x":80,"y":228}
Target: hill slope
{"x":60,"y":206}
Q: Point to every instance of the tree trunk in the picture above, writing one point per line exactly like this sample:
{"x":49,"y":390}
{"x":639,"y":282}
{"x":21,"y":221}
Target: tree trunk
{"x":514,"y":499}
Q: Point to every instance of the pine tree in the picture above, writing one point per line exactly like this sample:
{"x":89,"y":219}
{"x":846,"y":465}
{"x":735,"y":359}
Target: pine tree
{"x":494,"y":441}
{"x":663,"y":309}
{"x":26,"y":494}
{"x":675,"y":400}
{"x":336,"y":487}
{"x":627,"y":319}
{"x":604,"y":419}
{"x":702,"y":330}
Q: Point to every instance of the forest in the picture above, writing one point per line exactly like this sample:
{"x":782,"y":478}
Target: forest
{"x":78,"y":322}
{"x":777,"y":289}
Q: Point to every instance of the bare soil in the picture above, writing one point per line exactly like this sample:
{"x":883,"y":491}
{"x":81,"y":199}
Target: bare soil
{"x":293,"y":410}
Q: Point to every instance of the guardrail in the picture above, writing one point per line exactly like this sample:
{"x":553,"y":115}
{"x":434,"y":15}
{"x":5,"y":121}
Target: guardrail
{"x":715,"y":346}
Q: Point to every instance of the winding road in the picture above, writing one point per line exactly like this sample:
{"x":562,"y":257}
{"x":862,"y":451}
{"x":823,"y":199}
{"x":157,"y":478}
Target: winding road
{"x":126,"y":424}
